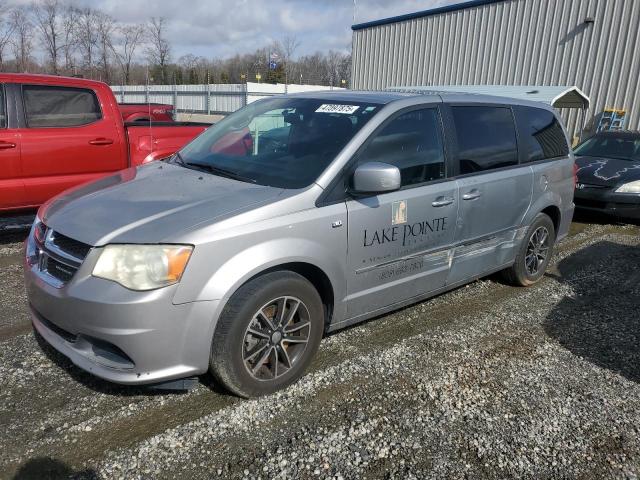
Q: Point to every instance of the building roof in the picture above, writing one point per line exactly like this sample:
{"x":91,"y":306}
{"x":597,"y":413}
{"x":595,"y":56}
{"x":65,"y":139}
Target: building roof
{"x":424,"y":13}
{"x":557,"y":95}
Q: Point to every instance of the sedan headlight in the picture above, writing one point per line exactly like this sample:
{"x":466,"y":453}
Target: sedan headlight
{"x":631,"y":187}
{"x":143,"y":267}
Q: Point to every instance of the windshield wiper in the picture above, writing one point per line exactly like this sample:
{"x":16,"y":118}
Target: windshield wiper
{"x":222,"y":172}
{"x":177,"y":158}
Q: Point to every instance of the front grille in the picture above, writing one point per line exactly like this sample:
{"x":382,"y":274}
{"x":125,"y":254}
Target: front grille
{"x":59,"y":257}
{"x":70,"y":246}
{"x":59,"y":270}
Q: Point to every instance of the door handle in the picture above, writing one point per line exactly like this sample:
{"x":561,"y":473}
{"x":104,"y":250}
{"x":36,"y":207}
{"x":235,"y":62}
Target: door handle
{"x":473,"y":194}
{"x":442,"y":201}
{"x":101,"y":141}
{"x":6,"y":145}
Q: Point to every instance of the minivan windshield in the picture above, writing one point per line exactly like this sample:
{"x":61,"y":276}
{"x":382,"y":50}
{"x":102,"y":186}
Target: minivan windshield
{"x":284,"y":142}
{"x":620,"y":146}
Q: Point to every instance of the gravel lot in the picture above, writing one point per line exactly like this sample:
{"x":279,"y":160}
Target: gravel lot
{"x":486,"y":381}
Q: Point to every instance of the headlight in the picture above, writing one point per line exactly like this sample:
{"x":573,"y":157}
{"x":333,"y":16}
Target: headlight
{"x":631,"y":187}
{"x":143,"y":267}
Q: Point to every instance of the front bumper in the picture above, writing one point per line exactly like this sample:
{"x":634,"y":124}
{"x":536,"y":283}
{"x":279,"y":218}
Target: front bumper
{"x":121,"y":335}
{"x":606,"y":201}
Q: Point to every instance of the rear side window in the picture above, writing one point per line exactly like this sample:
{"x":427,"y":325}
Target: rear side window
{"x":3,"y":110}
{"x":542,"y":135}
{"x":486,"y":138}
{"x":59,"y":106}
{"x":413,"y":143}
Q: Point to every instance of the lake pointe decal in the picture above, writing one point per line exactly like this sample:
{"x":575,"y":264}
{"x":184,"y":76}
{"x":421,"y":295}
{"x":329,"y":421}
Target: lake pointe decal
{"x":400,"y":232}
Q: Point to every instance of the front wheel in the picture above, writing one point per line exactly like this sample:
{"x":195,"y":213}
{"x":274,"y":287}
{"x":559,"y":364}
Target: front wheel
{"x":267,"y":334}
{"x":534,"y":253}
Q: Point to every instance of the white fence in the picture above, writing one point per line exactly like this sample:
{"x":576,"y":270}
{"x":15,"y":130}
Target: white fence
{"x":207,"y":99}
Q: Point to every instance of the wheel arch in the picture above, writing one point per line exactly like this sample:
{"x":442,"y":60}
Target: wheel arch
{"x":315,"y":275}
{"x":553,"y":212}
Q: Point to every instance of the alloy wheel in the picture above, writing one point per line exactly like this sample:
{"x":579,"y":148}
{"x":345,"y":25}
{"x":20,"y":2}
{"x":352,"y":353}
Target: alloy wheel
{"x":276,"y":338}
{"x":537,"y":250}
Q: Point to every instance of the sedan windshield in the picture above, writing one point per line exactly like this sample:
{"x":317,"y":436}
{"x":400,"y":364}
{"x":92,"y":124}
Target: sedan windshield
{"x":622,"y":147}
{"x":281,"y":142}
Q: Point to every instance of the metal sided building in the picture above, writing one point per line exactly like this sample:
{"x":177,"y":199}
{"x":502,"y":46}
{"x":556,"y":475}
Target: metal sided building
{"x":593,"y":44}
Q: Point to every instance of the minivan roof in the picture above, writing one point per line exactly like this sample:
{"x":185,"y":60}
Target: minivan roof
{"x":384,"y":97}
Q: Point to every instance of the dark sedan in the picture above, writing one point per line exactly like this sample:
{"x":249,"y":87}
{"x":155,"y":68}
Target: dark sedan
{"x":609,"y":174}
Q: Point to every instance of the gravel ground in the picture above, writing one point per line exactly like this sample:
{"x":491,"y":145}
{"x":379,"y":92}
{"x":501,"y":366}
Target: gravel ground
{"x":486,"y":381}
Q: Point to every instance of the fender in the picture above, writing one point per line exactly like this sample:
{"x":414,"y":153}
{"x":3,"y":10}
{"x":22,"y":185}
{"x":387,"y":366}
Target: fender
{"x":547,"y":199}
{"x":258,"y":258}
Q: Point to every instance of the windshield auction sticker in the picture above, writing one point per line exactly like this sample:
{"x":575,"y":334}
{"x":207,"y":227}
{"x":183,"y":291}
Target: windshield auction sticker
{"x":335,"y":108}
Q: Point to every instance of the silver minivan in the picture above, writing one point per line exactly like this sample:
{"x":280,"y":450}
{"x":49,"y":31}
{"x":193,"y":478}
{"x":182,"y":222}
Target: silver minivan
{"x":295,"y":216}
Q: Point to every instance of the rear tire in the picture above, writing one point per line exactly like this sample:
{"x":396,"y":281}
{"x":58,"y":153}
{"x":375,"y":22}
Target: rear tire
{"x":534,"y":253}
{"x":267,"y":334}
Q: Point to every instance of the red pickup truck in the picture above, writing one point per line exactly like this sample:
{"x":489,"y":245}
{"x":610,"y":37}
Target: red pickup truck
{"x":58,"y":132}
{"x":143,"y":112}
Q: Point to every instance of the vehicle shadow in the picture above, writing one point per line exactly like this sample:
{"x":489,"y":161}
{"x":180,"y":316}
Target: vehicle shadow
{"x":44,"y":468}
{"x":599,"y":322}
{"x":108,"y":388}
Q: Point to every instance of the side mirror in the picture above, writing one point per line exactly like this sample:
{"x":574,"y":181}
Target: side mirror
{"x":376,"y":177}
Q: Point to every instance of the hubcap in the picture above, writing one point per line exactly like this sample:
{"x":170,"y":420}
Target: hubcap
{"x":537,"y":250}
{"x":276,"y":338}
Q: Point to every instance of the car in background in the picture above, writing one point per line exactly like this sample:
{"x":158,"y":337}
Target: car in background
{"x":145,"y":112}
{"x":608,"y":170}
{"x":58,"y":132}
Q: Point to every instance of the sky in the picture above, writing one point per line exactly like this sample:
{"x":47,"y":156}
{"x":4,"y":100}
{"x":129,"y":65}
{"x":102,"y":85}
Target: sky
{"x":222,"y":28}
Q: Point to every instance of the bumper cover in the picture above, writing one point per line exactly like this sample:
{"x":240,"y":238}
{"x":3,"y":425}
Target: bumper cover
{"x":608,"y":202}
{"x":120,"y":335}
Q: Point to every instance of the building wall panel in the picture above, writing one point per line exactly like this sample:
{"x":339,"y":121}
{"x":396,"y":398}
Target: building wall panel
{"x":514,"y":42}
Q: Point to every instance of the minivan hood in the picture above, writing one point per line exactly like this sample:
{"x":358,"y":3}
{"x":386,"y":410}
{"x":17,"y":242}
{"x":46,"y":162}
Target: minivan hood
{"x":606,"y":171}
{"x":149,"y":204}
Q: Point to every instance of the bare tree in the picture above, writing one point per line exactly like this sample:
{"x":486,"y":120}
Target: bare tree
{"x":130,"y":38}
{"x":159,"y":50}
{"x":288,"y":45}
{"x":47,"y":21}
{"x":6,"y":30}
{"x":105,"y":27}
{"x":70,"y":35}
{"x":22,"y":39}
{"x":88,"y":37}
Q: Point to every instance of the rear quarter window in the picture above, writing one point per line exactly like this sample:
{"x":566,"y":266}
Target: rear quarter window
{"x":48,"y":106}
{"x":542,"y":136}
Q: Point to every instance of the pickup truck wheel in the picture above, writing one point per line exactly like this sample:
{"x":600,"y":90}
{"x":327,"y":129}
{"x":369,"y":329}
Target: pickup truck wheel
{"x":267,"y":334}
{"x":534,"y":253}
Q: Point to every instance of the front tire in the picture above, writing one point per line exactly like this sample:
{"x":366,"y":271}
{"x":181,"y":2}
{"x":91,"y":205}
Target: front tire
{"x":267,"y":334}
{"x":534,"y":253}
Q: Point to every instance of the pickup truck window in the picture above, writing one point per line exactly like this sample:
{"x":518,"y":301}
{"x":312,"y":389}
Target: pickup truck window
{"x":281,"y":142}
{"x":3,"y":111}
{"x":413,"y":143}
{"x":48,"y":106}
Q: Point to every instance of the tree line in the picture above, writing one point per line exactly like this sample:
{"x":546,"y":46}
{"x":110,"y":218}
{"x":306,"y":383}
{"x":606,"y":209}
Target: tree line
{"x":56,"y":37}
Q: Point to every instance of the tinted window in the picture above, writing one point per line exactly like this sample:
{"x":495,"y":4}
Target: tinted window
{"x":413,"y":143}
{"x":3,"y":111}
{"x":282,"y":142}
{"x":486,"y":138}
{"x":59,"y":106}
{"x":611,"y":145}
{"x":542,"y":135}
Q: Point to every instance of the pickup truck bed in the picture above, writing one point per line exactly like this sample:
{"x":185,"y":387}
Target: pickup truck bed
{"x":143,"y":112}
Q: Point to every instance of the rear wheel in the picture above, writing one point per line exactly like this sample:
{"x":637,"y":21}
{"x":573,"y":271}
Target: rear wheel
{"x":267,"y":334}
{"x":534,"y":254}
